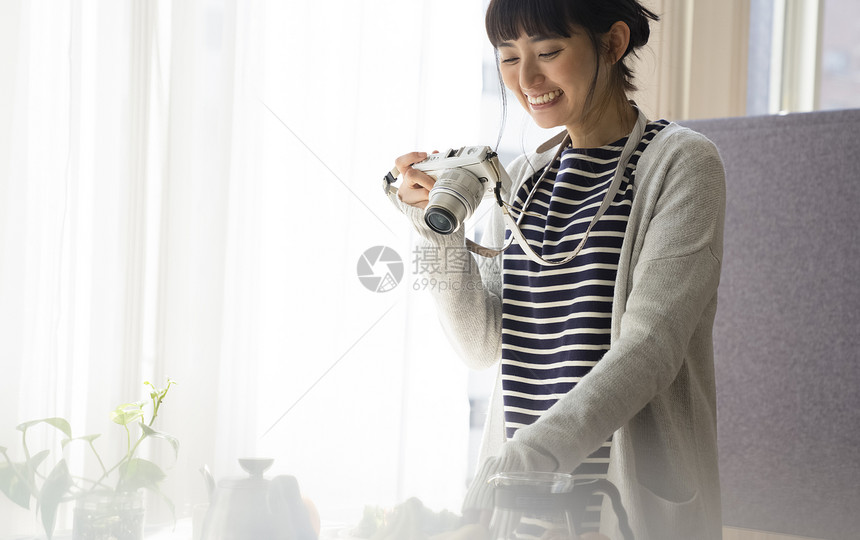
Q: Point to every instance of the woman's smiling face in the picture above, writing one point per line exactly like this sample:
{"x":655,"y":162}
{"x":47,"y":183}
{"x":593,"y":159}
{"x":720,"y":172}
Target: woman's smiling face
{"x":552,"y":77}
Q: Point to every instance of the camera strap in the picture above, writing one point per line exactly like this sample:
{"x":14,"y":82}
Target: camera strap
{"x":514,"y":224}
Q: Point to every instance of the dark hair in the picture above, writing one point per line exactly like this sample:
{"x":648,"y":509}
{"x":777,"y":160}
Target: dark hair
{"x":507,"y":19}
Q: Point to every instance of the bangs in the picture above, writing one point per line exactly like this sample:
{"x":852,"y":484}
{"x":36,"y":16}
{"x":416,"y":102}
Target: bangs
{"x":507,"y":19}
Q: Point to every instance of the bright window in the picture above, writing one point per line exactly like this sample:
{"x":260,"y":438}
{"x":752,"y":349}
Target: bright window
{"x":803,"y":56}
{"x":839,"y":87}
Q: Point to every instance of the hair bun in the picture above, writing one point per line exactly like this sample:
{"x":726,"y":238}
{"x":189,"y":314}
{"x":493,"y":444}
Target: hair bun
{"x":640,"y":25}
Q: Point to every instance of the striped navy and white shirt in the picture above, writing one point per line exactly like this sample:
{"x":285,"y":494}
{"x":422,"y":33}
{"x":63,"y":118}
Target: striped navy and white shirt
{"x":556,"y":320}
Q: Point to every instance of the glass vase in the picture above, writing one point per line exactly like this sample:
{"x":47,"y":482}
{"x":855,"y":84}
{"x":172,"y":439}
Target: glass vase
{"x":109,"y":516}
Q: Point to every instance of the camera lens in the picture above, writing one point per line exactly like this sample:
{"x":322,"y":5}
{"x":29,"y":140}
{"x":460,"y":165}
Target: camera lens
{"x":440,"y":220}
{"x":452,"y":200}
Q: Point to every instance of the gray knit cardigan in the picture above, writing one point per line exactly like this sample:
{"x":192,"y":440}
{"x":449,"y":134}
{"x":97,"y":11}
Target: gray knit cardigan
{"x":654,"y":389}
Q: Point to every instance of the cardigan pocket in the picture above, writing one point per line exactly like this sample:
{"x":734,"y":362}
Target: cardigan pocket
{"x":672,"y":520}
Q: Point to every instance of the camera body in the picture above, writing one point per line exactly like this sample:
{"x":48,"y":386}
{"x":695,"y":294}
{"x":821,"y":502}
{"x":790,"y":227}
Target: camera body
{"x":464,"y":177}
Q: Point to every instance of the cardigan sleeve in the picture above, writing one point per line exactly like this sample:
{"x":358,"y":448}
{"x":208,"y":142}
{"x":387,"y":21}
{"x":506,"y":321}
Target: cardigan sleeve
{"x":465,"y":288}
{"x":673,"y":278}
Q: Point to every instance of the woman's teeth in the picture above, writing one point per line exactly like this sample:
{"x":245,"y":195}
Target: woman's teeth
{"x":546,"y":98}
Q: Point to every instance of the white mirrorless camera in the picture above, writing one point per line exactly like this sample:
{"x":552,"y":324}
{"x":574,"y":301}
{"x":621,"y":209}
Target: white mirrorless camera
{"x":464,"y":177}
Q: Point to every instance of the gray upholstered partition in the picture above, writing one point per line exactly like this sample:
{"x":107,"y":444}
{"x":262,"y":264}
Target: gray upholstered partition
{"x":787,"y":337}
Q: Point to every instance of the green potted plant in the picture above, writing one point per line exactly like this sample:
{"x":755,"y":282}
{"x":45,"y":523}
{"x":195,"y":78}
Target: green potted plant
{"x":110,"y":503}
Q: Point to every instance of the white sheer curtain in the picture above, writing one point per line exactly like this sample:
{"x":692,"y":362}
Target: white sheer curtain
{"x":185,"y":191}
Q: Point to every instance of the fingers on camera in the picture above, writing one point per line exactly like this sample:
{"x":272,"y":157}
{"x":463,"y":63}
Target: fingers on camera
{"x":405,"y":161}
{"x":418,"y":179}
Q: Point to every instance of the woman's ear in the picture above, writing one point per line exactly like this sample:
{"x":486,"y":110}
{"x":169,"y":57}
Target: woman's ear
{"x":616,"y":41}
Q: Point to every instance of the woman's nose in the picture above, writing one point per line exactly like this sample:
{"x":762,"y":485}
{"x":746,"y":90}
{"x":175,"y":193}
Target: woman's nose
{"x":530,"y":74}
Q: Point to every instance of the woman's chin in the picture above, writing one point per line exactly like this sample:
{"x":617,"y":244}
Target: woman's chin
{"x":545,"y":123}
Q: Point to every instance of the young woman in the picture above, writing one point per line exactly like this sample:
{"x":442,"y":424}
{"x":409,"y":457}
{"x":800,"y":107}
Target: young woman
{"x":605,"y":362}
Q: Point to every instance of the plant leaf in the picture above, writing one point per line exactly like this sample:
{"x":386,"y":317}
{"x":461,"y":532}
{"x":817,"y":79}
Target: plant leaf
{"x":140,"y":473}
{"x":56,"y":486}
{"x":18,"y":480}
{"x":34,"y":462}
{"x":60,"y":423}
{"x":174,"y":442}
{"x":127,"y":413}
{"x":12,"y":485}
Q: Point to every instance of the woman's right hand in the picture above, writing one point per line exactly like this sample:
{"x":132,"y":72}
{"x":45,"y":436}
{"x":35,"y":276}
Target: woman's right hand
{"x":415,"y":188}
